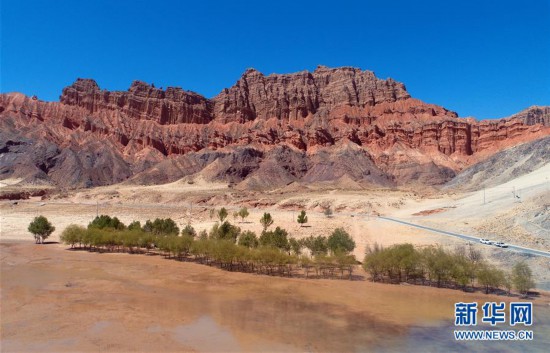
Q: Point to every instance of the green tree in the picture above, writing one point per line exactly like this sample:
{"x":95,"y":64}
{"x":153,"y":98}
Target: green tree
{"x":302,"y":218}
{"x":105,"y":221}
{"x":373,"y":262}
{"x":490,"y":277}
{"x":243,"y":213}
{"x":135,"y":225}
{"x":188,"y":230}
{"x":317,"y":245}
{"x":148,"y":226}
{"x":41,"y":229}
{"x":145,"y":240}
{"x":225,"y":231}
{"x":222,"y":214}
{"x":96,"y":237}
{"x":178,"y":246}
{"x":345,"y":263}
{"x":438,"y":263}
{"x":165,"y":226}
{"x":522,"y":277}
{"x":407,"y":260}
{"x":72,"y":234}
{"x":508,"y":284}
{"x":161,"y":226}
{"x":277,"y":239}
{"x":266,"y":220}
{"x":340,"y":242}
{"x":248,"y":239}
{"x":203,"y":234}
{"x":296,"y":246}
{"x":328,"y":212}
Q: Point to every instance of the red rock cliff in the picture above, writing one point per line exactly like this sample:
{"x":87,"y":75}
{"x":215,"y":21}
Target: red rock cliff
{"x":141,"y":101}
{"x":296,"y":96}
{"x":309,"y":112}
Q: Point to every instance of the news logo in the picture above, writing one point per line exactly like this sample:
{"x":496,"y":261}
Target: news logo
{"x":520,"y":313}
{"x":465,"y":314}
{"x":493,"y":313}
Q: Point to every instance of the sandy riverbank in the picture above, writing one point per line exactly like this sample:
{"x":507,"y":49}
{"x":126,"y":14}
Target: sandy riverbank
{"x":55,"y":300}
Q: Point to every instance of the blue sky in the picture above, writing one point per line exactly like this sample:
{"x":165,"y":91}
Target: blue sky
{"x":487,"y":59}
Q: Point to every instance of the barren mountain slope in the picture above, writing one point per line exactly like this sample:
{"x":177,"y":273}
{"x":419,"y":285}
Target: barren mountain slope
{"x":504,"y":166}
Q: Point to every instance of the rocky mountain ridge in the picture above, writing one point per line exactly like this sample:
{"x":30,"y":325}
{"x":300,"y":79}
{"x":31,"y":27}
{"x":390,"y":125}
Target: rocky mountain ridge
{"x":534,"y":115}
{"x":264,"y":131}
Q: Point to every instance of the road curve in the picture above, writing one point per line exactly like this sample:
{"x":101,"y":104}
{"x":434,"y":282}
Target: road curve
{"x":517,"y":248}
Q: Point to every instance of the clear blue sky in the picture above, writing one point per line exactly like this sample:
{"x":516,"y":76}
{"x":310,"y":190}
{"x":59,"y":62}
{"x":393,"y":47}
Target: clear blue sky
{"x":486,"y":59}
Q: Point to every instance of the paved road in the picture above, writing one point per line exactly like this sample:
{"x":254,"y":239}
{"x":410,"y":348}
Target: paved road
{"x":470,"y":238}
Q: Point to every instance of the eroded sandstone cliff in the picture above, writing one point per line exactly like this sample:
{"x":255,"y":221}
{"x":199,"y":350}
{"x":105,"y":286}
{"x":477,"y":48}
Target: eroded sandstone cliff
{"x":264,"y":131}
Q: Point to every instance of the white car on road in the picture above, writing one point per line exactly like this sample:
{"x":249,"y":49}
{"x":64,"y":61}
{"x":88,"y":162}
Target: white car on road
{"x":501,"y":244}
{"x":486,"y":241}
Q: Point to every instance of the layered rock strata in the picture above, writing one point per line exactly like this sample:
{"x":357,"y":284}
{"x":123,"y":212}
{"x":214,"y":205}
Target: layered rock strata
{"x":305,"y":123}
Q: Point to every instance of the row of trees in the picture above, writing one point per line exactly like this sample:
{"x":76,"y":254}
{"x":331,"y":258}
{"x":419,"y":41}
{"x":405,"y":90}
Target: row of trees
{"x":433,"y":265}
{"x":266,"y":219}
{"x":41,"y":228}
{"x":159,"y":226}
{"x":339,"y":241}
{"x":225,"y":245}
{"x":222,"y":213}
{"x":275,"y":252}
{"x":210,"y":251}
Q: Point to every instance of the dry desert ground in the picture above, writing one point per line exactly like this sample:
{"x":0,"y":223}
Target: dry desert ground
{"x":54,"y":299}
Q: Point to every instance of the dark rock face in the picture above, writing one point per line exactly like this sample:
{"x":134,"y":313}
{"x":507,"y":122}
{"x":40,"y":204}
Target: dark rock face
{"x":265,"y":131}
{"x":95,"y":163}
{"x":25,"y":158}
{"x":29,"y":156}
